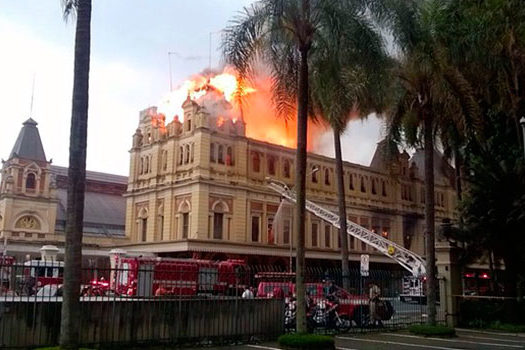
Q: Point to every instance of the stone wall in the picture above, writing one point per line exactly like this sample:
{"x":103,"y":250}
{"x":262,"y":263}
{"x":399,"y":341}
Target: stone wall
{"x":28,"y":323}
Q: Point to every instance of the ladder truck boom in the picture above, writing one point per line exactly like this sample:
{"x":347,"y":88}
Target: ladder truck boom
{"x":412,"y":262}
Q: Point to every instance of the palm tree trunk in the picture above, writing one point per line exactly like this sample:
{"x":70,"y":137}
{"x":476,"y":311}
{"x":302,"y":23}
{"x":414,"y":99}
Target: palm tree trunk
{"x":429,"y":218}
{"x":70,"y":324}
{"x":300,"y":187}
{"x":342,"y":209}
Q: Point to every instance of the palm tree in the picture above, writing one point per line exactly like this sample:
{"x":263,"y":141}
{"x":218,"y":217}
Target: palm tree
{"x":431,"y":93}
{"x":70,"y":324}
{"x":348,"y":77}
{"x":283,"y":34}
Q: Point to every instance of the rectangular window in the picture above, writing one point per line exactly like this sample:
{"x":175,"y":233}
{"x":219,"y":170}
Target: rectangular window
{"x":217,"y":225}
{"x":314,"y":234}
{"x":386,"y":228}
{"x":144,"y":229}
{"x":255,"y":229}
{"x":286,"y":232}
{"x":327,"y":232}
{"x":269,"y":230}
{"x":185,"y":224}
{"x":212,"y":153}
{"x":351,"y":239}
{"x":161,"y":226}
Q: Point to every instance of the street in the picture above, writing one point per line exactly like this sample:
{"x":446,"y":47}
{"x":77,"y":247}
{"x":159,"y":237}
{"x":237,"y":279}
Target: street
{"x":466,"y":339}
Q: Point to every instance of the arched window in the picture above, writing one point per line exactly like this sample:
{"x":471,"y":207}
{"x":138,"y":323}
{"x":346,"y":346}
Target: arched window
{"x":229,"y":156}
{"x":383,"y":188}
{"x":271,"y":165}
{"x":143,"y":224}
{"x":186,"y":154}
{"x":146,"y":166}
{"x":212,"y":153}
{"x":363,"y":187}
{"x":327,"y":177}
{"x":184,"y":209}
{"x":256,"y":162}
{"x":314,"y":174}
{"x":286,"y":168}
{"x":374,"y":186}
{"x":351,"y":181}
{"x":192,"y":155}
{"x":181,"y":155}
{"x":141,"y":166}
{"x":220,"y":156}
{"x":30,"y":181}
{"x":218,"y":219}
{"x":165,"y":160}
{"x":28,"y":222}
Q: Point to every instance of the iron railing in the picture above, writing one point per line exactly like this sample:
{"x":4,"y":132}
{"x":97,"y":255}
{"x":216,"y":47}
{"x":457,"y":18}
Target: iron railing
{"x":189,"y":304}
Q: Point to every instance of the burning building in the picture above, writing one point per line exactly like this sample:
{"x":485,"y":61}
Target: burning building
{"x":197,"y":184}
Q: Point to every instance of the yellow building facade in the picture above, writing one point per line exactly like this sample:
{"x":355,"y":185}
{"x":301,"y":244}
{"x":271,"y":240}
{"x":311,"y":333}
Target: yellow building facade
{"x":197,"y":188}
{"x":33,"y":201}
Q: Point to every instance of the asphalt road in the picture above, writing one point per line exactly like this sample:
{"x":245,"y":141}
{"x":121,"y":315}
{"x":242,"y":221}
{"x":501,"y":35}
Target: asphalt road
{"x":402,"y":340}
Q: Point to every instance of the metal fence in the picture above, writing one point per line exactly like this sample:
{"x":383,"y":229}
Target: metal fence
{"x":196,"y":302}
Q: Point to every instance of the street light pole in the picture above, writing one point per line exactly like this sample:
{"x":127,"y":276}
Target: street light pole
{"x":522,"y":123}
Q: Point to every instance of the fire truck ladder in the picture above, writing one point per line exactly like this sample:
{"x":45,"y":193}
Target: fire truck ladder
{"x":414,"y":263}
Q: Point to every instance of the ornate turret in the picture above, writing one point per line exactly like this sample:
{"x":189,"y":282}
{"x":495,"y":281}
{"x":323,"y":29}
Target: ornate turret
{"x":26,"y":187}
{"x":27,"y":171}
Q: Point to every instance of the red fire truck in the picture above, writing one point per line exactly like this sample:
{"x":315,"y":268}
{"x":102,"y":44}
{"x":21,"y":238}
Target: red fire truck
{"x":6,"y":267}
{"x":149,"y":276}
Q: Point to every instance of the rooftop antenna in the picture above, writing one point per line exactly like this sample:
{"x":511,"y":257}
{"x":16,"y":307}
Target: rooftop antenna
{"x":209,"y":48}
{"x":32,"y":96}
{"x":169,"y":65}
{"x":209,"y":53}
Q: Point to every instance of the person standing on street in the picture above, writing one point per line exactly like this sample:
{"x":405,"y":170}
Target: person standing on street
{"x":248,"y":293}
{"x":375,"y":292}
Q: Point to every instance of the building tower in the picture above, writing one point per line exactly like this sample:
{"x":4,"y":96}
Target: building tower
{"x":27,"y":193}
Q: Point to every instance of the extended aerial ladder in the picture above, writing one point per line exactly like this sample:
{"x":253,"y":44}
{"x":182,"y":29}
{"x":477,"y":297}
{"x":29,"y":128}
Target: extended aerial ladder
{"x":414,"y":263}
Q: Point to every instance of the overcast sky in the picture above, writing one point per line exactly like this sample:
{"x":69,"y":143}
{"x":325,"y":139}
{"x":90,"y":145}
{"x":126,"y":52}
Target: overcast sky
{"x":129,"y":72}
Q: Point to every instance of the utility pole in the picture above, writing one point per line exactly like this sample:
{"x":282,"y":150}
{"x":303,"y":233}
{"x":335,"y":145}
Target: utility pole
{"x":32,"y":96}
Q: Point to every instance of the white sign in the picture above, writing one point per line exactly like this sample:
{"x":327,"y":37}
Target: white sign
{"x":365,"y":258}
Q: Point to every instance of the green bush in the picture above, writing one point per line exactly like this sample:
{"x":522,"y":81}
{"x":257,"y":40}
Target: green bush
{"x":432,"y":331}
{"x":306,"y":341}
{"x":508,"y":327}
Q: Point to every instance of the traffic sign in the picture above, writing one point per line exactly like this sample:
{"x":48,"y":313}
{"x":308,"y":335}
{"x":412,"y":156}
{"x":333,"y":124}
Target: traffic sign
{"x":365,"y":259}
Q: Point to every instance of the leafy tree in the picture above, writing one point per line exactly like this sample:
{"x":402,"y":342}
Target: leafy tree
{"x":70,"y":324}
{"x":348,"y":76}
{"x":493,"y":209}
{"x":284,"y":34}
{"x":486,"y":41}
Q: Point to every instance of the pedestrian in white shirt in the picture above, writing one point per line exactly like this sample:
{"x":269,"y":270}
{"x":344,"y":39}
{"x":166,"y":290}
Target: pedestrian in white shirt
{"x":248,"y":293}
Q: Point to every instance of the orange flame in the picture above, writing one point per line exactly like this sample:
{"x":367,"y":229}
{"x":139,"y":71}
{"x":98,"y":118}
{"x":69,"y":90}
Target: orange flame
{"x":256,"y":109}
